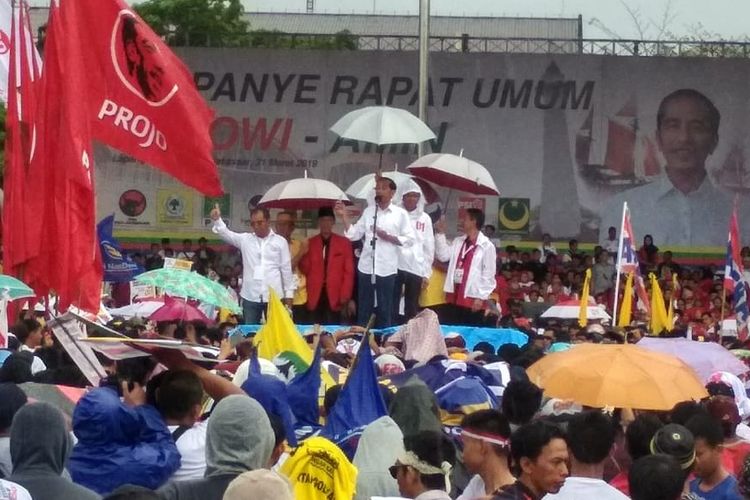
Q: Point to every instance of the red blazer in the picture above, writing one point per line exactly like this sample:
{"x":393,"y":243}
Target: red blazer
{"x":339,"y":275}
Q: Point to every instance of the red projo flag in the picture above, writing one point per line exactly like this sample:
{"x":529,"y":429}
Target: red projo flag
{"x":69,"y":261}
{"x":21,"y":224}
{"x":142,"y":98}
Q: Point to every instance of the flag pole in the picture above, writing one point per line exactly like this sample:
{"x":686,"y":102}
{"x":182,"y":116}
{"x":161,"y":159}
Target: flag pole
{"x":617,"y":265}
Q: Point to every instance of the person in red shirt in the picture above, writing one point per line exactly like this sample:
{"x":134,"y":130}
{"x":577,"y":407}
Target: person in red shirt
{"x":637,"y":442}
{"x":734,"y":449}
{"x":328,"y":266}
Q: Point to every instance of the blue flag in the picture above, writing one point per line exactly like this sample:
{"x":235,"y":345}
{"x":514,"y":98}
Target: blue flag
{"x":359,"y":403}
{"x":303,"y":392}
{"x":118,"y":268}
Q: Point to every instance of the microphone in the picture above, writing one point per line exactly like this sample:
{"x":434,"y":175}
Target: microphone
{"x":378,"y":198}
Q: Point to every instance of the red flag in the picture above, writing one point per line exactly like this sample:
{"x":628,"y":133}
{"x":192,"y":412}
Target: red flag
{"x":21,"y":224}
{"x":70,"y":263}
{"x":143,"y":99}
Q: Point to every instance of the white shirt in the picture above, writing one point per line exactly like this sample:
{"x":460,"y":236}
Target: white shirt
{"x":13,"y":491}
{"x":610,"y":246}
{"x":192,"y":448}
{"x":265,"y":263}
{"x":185,"y":255}
{"x":700,"y":218}
{"x":37,"y":365}
{"x":475,"y":489}
{"x":393,"y":220}
{"x":576,"y":488}
{"x":480,"y":283}
{"x":417,"y":258}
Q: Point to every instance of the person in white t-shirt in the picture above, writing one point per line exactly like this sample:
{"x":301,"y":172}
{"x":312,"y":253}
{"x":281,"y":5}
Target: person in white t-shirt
{"x":179,"y":398}
{"x":590,"y":439}
{"x":13,"y":491}
{"x":486,"y":438}
{"x":29,"y":333}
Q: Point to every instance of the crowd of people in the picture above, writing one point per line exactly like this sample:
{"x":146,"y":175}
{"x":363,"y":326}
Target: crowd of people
{"x":164,"y":427}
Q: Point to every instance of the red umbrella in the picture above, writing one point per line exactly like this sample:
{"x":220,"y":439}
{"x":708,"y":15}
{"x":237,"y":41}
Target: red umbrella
{"x":180,"y":310}
{"x":455,"y":172}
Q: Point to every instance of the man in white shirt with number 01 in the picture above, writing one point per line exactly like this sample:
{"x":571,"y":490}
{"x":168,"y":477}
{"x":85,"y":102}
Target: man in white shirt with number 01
{"x":378,"y":263}
{"x":266,"y":262}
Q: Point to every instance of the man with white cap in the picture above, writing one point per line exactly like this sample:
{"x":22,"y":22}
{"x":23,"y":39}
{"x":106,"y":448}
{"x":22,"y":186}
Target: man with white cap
{"x":415,"y":261}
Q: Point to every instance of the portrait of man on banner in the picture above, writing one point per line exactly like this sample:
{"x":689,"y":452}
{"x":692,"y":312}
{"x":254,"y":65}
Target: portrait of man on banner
{"x":682,"y":206}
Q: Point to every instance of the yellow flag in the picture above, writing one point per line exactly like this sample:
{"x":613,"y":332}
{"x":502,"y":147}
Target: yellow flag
{"x":626,"y":310}
{"x":584,"y":307}
{"x":659,"y":321}
{"x":279,"y":334}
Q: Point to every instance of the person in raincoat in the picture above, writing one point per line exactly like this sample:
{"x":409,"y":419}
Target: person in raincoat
{"x":120,"y":443}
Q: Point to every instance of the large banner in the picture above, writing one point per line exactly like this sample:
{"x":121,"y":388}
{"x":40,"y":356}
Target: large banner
{"x":566,"y":138}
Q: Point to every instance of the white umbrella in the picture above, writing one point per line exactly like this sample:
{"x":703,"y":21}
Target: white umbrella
{"x":455,"y":172}
{"x":142,"y":309}
{"x":364,"y":187}
{"x":569,"y":309}
{"x":382,"y":125}
{"x":303,"y":194}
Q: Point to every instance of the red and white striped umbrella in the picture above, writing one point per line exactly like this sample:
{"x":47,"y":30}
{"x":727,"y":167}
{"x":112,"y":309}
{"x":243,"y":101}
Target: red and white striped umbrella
{"x":303,"y":194}
{"x":455,"y":172}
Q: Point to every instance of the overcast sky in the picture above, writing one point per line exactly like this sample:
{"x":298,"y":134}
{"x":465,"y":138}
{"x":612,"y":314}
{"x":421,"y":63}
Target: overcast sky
{"x":725,"y":19}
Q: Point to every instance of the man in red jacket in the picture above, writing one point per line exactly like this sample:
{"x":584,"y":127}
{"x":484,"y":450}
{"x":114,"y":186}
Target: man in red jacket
{"x":329,"y":268}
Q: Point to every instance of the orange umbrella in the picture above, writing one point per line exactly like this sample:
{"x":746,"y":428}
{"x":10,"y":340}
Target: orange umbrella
{"x":621,"y":376}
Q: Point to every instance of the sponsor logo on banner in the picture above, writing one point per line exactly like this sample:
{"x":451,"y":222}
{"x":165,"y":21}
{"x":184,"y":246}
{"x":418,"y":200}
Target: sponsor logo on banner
{"x":174,"y":207}
{"x":132,"y":203}
{"x":171,"y":263}
{"x":513,"y":215}
{"x":466,"y":202}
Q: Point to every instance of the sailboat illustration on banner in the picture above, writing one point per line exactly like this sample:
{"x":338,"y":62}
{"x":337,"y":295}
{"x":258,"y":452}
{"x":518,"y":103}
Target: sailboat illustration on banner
{"x":733,"y":174}
{"x":631,"y":157}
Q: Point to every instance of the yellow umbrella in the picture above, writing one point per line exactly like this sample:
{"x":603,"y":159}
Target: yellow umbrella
{"x":621,"y":376}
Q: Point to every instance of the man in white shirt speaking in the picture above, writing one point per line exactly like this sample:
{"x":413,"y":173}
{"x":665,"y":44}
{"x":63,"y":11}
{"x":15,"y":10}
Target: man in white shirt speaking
{"x":415,"y":261}
{"x":385,"y":228}
{"x":266,"y":263}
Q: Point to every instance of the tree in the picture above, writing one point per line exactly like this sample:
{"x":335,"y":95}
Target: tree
{"x":197,"y":23}
{"x":343,"y":40}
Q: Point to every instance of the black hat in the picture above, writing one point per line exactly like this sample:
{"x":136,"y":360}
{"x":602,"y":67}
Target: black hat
{"x":676,"y":441}
{"x":326,"y":212}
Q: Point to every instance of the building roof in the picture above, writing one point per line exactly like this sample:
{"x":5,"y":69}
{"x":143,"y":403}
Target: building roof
{"x":408,"y":25}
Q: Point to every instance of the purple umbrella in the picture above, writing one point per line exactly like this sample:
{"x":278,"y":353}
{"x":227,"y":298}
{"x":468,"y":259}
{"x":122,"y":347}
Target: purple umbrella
{"x":703,"y":357}
{"x":175,"y":309}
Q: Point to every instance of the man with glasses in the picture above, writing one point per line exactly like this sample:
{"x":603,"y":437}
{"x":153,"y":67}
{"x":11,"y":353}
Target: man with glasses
{"x":266,"y":263}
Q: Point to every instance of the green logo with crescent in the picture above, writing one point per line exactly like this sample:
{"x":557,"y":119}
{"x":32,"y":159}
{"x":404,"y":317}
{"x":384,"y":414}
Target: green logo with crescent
{"x":513,"y":215}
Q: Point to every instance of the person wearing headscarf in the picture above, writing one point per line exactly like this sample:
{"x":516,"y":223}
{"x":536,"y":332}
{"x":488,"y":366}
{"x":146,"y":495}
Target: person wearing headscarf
{"x":12,"y":399}
{"x":259,"y":484}
{"x":423,"y":470}
{"x":420,"y":339}
{"x":271,"y":393}
{"x":381,"y":443}
{"x":120,"y":443}
{"x":319,"y":470}
{"x":415,"y":261}
{"x":414,"y":408}
{"x":40,"y":446}
{"x":239,"y":439}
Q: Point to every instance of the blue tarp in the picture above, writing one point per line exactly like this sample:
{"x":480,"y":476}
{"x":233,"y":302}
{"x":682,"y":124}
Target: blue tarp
{"x":471,"y":334}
